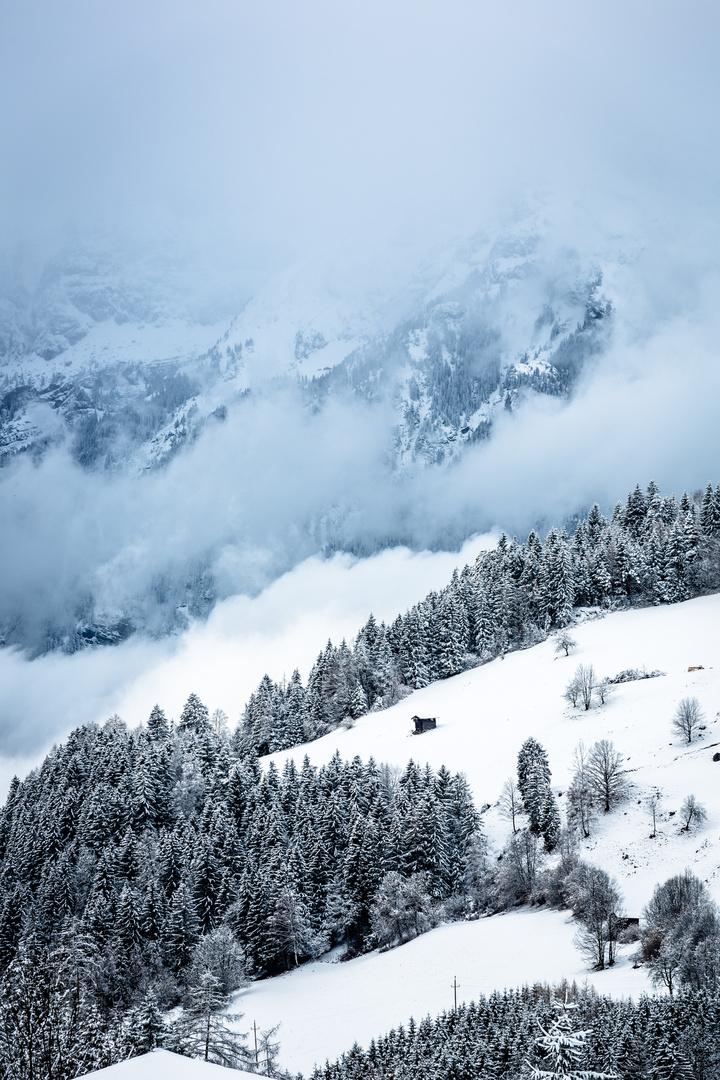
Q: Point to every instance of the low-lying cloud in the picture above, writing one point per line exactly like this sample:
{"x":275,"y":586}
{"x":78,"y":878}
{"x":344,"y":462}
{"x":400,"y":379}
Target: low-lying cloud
{"x":242,"y":497}
{"x":277,"y":482}
{"x":265,"y":130}
{"x":222,"y":660}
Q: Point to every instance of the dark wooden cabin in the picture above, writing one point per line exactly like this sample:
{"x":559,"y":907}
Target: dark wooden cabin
{"x":423,"y":723}
{"x":624,"y":922}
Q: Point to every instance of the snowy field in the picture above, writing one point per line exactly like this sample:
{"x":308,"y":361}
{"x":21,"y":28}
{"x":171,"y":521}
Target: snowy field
{"x":485,"y":715}
{"x":162,"y":1065}
{"x":325,"y":1007}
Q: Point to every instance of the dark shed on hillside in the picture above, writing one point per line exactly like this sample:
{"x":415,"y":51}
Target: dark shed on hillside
{"x":423,"y":723}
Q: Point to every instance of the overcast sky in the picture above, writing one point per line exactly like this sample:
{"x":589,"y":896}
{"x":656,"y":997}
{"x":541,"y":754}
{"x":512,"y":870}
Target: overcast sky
{"x":272,"y":126}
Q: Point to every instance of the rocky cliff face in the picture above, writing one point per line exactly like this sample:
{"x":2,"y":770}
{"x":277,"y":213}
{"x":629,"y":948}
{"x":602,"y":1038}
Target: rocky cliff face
{"x":117,"y":362}
{"x":116,"y":365}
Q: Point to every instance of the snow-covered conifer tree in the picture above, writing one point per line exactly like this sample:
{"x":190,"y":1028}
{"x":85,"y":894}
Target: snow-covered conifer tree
{"x":194,"y":716}
{"x":562,"y":1048}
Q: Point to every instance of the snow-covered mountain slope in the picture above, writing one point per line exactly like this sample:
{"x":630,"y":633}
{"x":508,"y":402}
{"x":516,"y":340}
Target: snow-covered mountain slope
{"x":470,"y":329}
{"x":114,"y":367}
{"x":476,"y":327}
{"x":325,"y":1007}
{"x":485,"y":715}
{"x":99,"y":339}
{"x":162,"y":1065}
{"x":112,"y":371}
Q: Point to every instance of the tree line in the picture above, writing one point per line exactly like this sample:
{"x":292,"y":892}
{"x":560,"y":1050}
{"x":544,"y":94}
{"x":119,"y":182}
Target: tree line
{"x":648,"y":1039}
{"x":653,"y":549}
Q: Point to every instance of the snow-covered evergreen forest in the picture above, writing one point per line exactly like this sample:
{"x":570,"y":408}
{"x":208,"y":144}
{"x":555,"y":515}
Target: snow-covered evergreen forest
{"x":653,"y":549}
{"x":159,"y":868}
{"x":518,"y":1033}
{"x":137,"y":864}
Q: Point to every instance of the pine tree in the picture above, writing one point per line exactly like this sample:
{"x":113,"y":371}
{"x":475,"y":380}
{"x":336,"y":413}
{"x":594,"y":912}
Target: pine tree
{"x":128,"y":921}
{"x":600,"y":578}
{"x":296,"y":710}
{"x":146,"y":1026}
{"x":635,"y":510}
{"x":707,"y":511}
{"x":668,"y":1062}
{"x":562,"y":1048}
{"x":181,"y":931}
{"x":358,"y":702}
{"x":152,"y":912}
{"x":206,"y":888}
{"x":194,"y":716}
{"x":157,"y":725}
{"x":549,"y":823}
{"x":145,"y":800}
{"x":290,"y":931}
{"x":533,"y":780}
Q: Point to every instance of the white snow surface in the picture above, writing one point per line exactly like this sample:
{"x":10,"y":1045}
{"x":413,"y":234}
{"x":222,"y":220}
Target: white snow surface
{"x":162,"y":1065}
{"x":484,"y":715}
{"x":109,"y":343}
{"x":325,"y":1007}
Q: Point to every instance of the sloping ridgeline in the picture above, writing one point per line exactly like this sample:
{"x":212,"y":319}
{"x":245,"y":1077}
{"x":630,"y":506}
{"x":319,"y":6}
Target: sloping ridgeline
{"x":654,"y":549}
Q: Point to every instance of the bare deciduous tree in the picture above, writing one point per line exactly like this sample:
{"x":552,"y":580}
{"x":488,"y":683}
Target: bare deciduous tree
{"x":580,"y":796}
{"x":221,"y":955}
{"x":608,"y":779}
{"x":692,"y":813}
{"x":572,"y":691}
{"x":680,"y":932}
{"x":402,"y":909}
{"x":585,"y":676}
{"x":510,"y":804}
{"x":653,"y":806}
{"x":688,"y":717}
{"x":564,"y":643}
{"x":219,"y":721}
{"x":665,"y":965}
{"x":581,"y":686}
{"x":596,"y":904}
{"x":604,"y":689}
{"x":520,"y":866}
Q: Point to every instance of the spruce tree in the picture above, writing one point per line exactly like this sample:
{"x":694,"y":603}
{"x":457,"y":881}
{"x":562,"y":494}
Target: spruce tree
{"x":181,"y":929}
{"x":157,"y":726}
{"x":562,"y":1048}
{"x":533,"y":780}
{"x":549,"y":823}
{"x":194,"y":716}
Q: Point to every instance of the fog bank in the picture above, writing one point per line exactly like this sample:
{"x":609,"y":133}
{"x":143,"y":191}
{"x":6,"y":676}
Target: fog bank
{"x":222,"y":660}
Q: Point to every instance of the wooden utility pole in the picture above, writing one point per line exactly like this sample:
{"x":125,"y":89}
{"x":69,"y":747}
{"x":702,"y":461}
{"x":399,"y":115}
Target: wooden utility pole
{"x":257,"y":1059}
{"x":454,"y":986}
